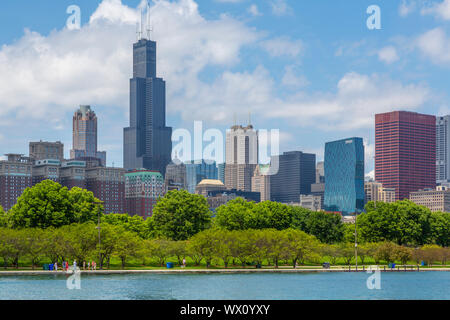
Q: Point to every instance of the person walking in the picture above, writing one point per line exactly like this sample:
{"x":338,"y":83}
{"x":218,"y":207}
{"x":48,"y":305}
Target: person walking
{"x":84,"y":265}
{"x":74,"y":265}
{"x":184,"y":262}
{"x":55,"y":266}
{"x":89,"y":265}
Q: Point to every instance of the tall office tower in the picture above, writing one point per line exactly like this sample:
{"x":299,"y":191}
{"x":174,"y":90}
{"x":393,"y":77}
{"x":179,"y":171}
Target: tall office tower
{"x":47,"y":150}
{"x":142,"y":191}
{"x":241,"y":153}
{"x":344,"y":176}
{"x":296,"y":173}
{"x":147,"y":141}
{"x":405,"y":151}
{"x":84,"y":141}
{"x":15,"y":177}
{"x":443,"y":149}
{"x":261,"y":182}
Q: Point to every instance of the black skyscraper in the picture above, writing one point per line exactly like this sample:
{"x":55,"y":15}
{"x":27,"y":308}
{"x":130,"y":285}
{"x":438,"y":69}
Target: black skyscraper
{"x":147,"y":141}
{"x":296,"y":173}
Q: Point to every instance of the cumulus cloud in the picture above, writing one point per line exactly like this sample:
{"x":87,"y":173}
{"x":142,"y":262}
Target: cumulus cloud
{"x":280,"y":7}
{"x":435,"y":45}
{"x":293,"y":79}
{"x":53,"y":74}
{"x":440,"y":10}
{"x":357,"y":99}
{"x":283,"y":46}
{"x":407,"y":7}
{"x":388,"y":54}
{"x":254,"y":11}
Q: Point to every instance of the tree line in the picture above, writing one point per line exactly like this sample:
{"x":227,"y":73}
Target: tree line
{"x":213,"y":247}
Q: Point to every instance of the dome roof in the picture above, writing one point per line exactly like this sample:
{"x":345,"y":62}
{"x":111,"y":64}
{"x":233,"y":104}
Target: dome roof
{"x":210,"y":182}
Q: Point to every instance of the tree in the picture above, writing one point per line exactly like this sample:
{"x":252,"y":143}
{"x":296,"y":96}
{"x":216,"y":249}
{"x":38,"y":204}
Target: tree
{"x":128,"y":245}
{"x":135,"y":223}
{"x":178,"y":249}
{"x":82,"y":241}
{"x":269,"y":214}
{"x":241,"y":247}
{"x":12,"y":246}
{"x":327,"y":227}
{"x":3,"y":218}
{"x":235,"y":215}
{"x":34,"y":245}
{"x":48,"y":204}
{"x":222,"y":246}
{"x":301,"y":246}
{"x":403,"y":254}
{"x":386,"y":251}
{"x":159,"y":248}
{"x":347,"y":252}
{"x":331,"y":251}
{"x":180,"y":215}
{"x":110,"y":237}
{"x":402,"y":222}
{"x":278,"y":244}
{"x":203,"y":245}
{"x":440,"y":228}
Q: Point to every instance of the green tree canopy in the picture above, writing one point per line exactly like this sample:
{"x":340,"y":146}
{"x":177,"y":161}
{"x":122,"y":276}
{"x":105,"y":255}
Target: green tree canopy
{"x":180,"y":215}
{"x":48,"y":204}
{"x":402,"y":222}
{"x":135,"y":224}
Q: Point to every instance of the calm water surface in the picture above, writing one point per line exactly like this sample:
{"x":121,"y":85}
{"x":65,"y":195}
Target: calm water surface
{"x":348,"y":286}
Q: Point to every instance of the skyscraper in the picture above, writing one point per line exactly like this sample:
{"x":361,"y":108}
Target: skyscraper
{"x":443,"y":149}
{"x":241,"y":153}
{"x":405,"y":151}
{"x":344,"y":176}
{"x":296,"y":173}
{"x":147,"y":141}
{"x":47,"y":150}
{"x":84,"y":137}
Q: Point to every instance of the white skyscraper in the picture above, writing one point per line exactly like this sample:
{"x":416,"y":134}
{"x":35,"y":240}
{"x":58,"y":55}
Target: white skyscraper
{"x":241,"y":155}
{"x":443,"y":149}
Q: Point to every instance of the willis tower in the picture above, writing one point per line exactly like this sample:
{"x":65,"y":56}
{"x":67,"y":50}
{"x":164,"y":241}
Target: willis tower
{"x":147,"y":141}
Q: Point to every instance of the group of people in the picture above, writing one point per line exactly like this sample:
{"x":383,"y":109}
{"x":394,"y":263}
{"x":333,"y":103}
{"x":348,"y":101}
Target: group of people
{"x":91,"y":265}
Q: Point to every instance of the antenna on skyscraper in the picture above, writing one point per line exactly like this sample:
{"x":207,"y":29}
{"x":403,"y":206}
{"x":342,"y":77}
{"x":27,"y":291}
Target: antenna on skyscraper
{"x":138,"y":34}
{"x":234,"y":119}
{"x":142,"y":23}
{"x":250,"y":118}
{"x":149,"y":28}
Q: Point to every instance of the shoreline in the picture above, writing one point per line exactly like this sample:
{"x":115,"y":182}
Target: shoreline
{"x":202,"y":271}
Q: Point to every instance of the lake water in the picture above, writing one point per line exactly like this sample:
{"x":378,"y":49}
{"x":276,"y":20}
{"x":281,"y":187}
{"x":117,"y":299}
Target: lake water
{"x":299,"y":286}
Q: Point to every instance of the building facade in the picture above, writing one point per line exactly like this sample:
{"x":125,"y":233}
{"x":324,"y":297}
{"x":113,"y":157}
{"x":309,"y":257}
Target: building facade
{"x":84,"y":136}
{"x":405,"y":151}
{"x":15,"y":177}
{"x":296,"y":173}
{"x":143,"y":189}
{"x":344,"y":176}
{"x":108,"y":185}
{"x":198,"y":170}
{"x":375,"y":192}
{"x":241,"y":153}
{"x":175,"y":178}
{"x":311,"y":202}
{"x":437,"y":200}
{"x":442,"y":149}
{"x":46,"y":150}
{"x":261,"y":181}
{"x":147,"y":140}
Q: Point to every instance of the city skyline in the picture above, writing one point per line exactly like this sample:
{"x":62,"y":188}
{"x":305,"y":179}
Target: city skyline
{"x":274,"y":66}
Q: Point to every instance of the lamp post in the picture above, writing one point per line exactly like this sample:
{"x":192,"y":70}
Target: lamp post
{"x":100,"y":210}
{"x":356,"y":243}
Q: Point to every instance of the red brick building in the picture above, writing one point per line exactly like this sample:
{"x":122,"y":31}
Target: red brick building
{"x":405,"y":151}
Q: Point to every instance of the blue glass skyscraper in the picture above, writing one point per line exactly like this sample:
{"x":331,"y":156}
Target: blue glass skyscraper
{"x":147,"y":141}
{"x":344,"y":176}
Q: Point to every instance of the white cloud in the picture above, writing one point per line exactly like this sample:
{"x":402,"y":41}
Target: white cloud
{"x":388,"y":54}
{"x":292,"y":79}
{"x":280,"y":8}
{"x":435,"y":45}
{"x":440,"y":10}
{"x":357,"y":99}
{"x":283,"y":46}
{"x":254,"y":11}
{"x":53,"y":74}
{"x":407,"y":7}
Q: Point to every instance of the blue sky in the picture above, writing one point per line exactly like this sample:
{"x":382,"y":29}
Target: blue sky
{"x":309,"y":68}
